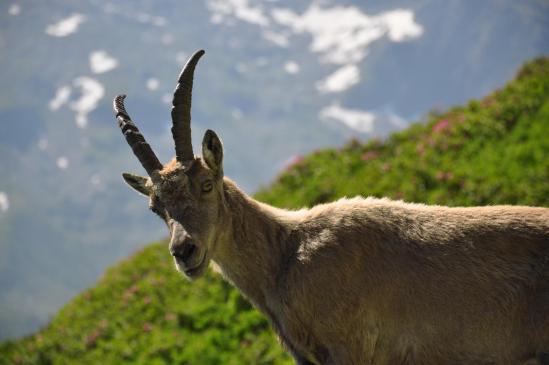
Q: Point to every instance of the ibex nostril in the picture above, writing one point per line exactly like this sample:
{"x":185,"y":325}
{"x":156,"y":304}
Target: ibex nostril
{"x":183,"y":252}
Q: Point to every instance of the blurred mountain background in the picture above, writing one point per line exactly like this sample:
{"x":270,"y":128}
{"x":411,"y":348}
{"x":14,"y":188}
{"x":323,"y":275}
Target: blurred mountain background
{"x":279,"y":79}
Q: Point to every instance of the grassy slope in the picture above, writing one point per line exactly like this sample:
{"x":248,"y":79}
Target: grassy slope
{"x":491,"y":151}
{"x":142,"y":311}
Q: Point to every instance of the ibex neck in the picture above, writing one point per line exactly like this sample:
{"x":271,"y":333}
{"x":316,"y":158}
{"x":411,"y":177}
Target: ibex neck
{"x":253,"y":253}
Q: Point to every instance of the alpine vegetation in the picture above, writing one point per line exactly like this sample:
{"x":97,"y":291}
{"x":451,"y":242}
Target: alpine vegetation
{"x":356,"y":281}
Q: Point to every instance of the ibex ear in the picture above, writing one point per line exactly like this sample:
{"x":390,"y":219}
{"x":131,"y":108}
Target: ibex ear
{"x":137,"y":182}
{"x":212,"y":152}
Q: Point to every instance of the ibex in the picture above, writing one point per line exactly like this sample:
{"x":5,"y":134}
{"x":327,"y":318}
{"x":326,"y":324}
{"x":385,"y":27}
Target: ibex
{"x":356,"y":281}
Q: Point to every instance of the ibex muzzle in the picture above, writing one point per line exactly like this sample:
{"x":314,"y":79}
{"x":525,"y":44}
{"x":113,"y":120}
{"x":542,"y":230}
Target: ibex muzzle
{"x":188,"y":257}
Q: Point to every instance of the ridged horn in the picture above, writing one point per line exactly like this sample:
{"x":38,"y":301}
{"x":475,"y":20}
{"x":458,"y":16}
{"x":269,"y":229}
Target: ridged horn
{"x":135,"y":139}
{"x":181,"y":110}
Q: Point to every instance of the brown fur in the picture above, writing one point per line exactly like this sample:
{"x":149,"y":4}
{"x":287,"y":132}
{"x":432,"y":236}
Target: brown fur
{"x":374,"y":281}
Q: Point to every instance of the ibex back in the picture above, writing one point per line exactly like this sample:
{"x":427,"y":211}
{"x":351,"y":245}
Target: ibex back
{"x":357,"y":281}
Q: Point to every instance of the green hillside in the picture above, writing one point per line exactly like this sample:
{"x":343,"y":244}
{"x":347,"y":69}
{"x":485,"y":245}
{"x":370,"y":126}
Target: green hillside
{"x":142,"y":311}
{"x":491,"y":151}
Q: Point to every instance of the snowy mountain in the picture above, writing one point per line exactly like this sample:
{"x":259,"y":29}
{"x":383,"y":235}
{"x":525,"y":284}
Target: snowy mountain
{"x":279,"y":79}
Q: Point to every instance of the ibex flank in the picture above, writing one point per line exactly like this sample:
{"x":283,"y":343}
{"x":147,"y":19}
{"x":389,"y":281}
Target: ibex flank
{"x":356,"y":281}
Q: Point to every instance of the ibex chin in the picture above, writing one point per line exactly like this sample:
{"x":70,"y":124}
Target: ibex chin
{"x":356,"y":281}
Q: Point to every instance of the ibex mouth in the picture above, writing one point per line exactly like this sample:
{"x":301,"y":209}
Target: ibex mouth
{"x":194,"y":271}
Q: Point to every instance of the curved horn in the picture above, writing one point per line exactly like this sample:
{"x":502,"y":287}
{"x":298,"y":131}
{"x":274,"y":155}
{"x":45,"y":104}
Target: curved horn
{"x":135,"y":139}
{"x":181,"y":110}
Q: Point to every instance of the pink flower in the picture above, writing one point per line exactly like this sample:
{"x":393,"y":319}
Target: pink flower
{"x":370,"y":155}
{"x":444,"y":176}
{"x":441,"y":126}
{"x":92,"y":338}
{"x":293,"y":161}
{"x":129,"y":293}
{"x":147,"y":327}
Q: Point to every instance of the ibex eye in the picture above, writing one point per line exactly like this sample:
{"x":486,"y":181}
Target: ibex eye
{"x":207,"y":186}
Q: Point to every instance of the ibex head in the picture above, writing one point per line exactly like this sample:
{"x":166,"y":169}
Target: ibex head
{"x":187,"y":193}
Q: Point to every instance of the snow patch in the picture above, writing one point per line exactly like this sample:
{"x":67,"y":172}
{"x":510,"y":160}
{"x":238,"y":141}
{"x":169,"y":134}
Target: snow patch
{"x":62,"y":163}
{"x":342,"y":34}
{"x":92,"y":91}
{"x":239,"y":9}
{"x":65,"y":26}
{"x":291,"y":67}
{"x":152,"y":84}
{"x":159,"y":21}
{"x":237,"y":113}
{"x":342,"y":79}
{"x":61,"y":97}
{"x":95,"y":180}
{"x":14,"y":9}
{"x":43,"y":144}
{"x":401,"y":25}
{"x":358,"y":120}
{"x":278,"y":39}
{"x":101,"y":61}
{"x":4,"y":202}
